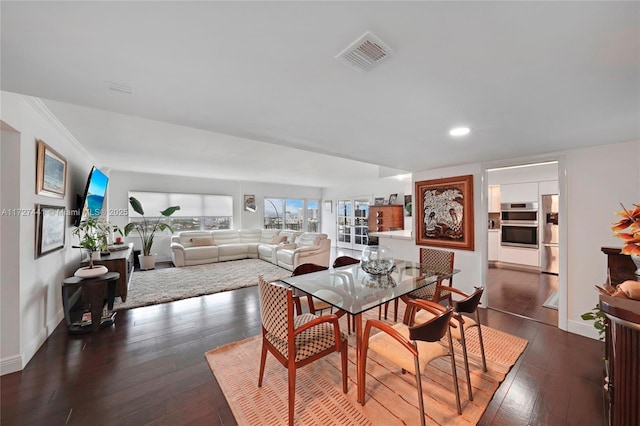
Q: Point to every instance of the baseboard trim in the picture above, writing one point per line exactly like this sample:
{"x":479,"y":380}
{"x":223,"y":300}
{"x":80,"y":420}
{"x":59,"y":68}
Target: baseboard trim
{"x":10,"y":364}
{"x":514,"y":266}
{"x":583,"y":328}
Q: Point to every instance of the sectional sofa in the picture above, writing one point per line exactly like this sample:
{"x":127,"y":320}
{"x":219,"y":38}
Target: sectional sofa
{"x":285,"y":248}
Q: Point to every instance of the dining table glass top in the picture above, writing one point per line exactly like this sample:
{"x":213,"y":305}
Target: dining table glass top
{"x":353,"y":290}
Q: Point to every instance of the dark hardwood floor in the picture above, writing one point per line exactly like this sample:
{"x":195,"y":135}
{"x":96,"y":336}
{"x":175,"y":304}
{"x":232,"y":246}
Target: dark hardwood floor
{"x":522,"y":293}
{"x":149,"y":368}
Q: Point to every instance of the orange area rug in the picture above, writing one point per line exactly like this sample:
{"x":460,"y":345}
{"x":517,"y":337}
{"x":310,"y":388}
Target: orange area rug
{"x":391,"y":397}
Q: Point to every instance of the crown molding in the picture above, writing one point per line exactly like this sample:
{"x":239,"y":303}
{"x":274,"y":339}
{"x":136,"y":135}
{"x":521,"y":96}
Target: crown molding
{"x":46,"y":113}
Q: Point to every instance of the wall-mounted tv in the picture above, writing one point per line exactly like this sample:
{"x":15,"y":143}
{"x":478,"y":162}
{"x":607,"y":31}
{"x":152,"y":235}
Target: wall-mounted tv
{"x":93,"y":197}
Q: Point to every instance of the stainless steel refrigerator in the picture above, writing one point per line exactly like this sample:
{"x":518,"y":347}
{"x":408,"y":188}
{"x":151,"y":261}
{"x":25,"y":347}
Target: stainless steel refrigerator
{"x":550,"y":235}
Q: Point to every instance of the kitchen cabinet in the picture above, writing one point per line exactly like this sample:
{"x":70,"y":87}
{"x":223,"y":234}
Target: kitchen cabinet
{"x":493,"y":245}
{"x":548,"y":187}
{"x":494,"y":199}
{"x":519,"y":192}
{"x":518,"y":255}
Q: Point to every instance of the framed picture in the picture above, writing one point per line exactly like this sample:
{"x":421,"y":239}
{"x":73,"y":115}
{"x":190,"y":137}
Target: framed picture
{"x":408,"y":207}
{"x":393,"y":198}
{"x":328,"y":206}
{"x":50,"y":228}
{"x":250,"y":203}
{"x":51,"y":172}
{"x":444,"y":209}
{"x":378,"y":201}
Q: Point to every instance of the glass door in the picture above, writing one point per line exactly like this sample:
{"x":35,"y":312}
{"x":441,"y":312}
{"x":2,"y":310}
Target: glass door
{"x":345,"y":224}
{"x":361,"y":220}
{"x":352,"y":226}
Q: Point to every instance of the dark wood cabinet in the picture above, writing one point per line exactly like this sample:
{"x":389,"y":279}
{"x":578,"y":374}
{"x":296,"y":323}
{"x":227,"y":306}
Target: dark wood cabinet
{"x":622,"y":346}
{"x":120,"y":261}
{"x":383,"y":218}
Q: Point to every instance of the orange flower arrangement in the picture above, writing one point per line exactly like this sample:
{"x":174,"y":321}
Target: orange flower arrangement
{"x":630,"y":220}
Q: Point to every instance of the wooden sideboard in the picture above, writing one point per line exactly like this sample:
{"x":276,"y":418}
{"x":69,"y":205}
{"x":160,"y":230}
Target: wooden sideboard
{"x":120,"y":261}
{"x":382,"y":218}
{"x":622,"y":346}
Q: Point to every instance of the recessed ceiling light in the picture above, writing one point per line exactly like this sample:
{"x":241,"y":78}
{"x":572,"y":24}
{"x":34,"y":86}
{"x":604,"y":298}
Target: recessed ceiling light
{"x":459,"y":131}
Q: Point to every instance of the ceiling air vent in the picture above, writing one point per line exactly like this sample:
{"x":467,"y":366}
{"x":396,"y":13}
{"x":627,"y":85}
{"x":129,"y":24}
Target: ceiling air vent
{"x":365,"y":53}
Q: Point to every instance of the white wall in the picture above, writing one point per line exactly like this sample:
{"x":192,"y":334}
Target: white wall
{"x":121,"y":182}
{"x":598,"y":179}
{"x":470,"y":263}
{"x":37,"y":291}
{"x":9,"y":255}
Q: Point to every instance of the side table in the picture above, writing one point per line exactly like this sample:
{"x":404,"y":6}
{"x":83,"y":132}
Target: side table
{"x":88,"y":291}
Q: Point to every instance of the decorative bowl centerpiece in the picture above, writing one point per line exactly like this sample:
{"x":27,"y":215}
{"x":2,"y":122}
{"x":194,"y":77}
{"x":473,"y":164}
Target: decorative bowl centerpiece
{"x":377,"y":260}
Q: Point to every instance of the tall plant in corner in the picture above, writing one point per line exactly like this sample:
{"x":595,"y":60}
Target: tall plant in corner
{"x":146,"y":229}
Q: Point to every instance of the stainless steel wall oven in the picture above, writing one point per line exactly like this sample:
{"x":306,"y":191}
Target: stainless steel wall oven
{"x":519,"y":224}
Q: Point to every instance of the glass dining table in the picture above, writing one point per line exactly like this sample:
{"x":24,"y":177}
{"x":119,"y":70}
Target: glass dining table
{"x":354,"y":291}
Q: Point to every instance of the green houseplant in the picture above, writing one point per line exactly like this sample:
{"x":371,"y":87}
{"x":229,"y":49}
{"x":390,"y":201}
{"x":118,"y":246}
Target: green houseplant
{"x":92,"y":235}
{"x":146,"y":229}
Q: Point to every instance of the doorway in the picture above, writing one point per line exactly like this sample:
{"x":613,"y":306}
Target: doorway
{"x":352,"y":223}
{"x":515,"y":280}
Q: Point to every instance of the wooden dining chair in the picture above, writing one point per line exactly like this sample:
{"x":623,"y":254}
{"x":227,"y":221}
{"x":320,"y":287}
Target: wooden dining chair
{"x":412,"y":346}
{"x":296,"y":341}
{"x":345,"y":261}
{"x":301,"y":298}
{"x":467,"y":305}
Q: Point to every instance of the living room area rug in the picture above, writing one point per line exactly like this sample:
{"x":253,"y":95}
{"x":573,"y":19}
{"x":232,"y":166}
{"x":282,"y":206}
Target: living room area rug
{"x":170,"y":284}
{"x":391,"y":397}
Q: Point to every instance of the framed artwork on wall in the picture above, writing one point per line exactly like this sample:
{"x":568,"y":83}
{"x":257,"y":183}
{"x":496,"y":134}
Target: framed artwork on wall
{"x":327,"y":206}
{"x":444,"y":209}
{"x":250,"y":203}
{"x":50,"y":228}
{"x":51,"y":172}
{"x":378,"y":201}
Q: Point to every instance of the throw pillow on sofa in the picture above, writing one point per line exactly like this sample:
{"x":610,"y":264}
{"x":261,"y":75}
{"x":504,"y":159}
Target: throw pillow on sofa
{"x":278,"y":239}
{"x":202,"y":241}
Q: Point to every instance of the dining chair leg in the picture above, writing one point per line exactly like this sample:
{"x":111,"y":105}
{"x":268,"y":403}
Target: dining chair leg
{"x":463,"y":343}
{"x":419,"y":385}
{"x":292,"y":392}
{"x":454,"y":374}
{"x":344,"y":346}
{"x":263,"y":358}
{"x":484,"y":359}
{"x":395,"y":310}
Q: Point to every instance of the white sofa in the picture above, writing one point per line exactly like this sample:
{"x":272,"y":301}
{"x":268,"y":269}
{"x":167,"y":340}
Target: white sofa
{"x":200,"y":247}
{"x":309,"y":247}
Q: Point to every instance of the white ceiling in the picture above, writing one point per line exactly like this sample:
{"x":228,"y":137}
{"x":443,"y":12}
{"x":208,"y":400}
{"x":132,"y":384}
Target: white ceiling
{"x":252,"y":91}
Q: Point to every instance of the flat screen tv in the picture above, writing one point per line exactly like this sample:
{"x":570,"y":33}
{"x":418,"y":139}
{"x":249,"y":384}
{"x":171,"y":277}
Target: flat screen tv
{"x":93,"y":197}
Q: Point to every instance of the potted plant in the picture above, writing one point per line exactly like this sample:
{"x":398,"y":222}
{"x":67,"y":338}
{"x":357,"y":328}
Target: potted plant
{"x":146,"y":229}
{"x":92,"y":235}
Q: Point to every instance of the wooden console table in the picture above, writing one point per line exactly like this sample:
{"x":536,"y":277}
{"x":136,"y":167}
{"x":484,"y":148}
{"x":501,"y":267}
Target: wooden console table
{"x":120,"y":261}
{"x":622,"y":346}
{"x":78,"y":293}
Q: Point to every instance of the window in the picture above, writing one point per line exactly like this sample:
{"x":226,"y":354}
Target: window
{"x":293,"y":214}
{"x":197,"y":211}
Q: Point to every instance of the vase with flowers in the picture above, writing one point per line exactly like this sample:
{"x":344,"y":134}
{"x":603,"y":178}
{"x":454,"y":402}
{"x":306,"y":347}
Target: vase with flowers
{"x":628,"y":229}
